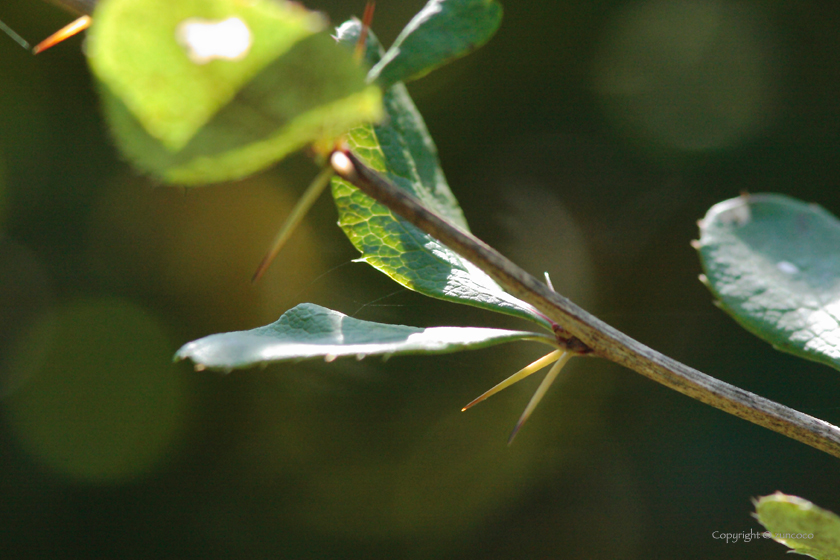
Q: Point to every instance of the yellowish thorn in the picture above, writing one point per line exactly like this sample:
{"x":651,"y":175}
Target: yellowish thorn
{"x":367,"y":19}
{"x":298,"y":212}
{"x":518,"y":376}
{"x":64,"y":33}
{"x":541,"y":390}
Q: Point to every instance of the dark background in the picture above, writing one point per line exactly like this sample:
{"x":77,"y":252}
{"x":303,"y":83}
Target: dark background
{"x":585,"y":139}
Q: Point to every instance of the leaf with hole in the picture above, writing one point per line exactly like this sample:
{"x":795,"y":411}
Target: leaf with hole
{"x":309,"y":331}
{"x":201,"y":91}
{"x":773,"y":263}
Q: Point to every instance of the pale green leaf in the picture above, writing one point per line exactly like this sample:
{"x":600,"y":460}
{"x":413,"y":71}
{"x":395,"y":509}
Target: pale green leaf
{"x":309,"y":331}
{"x":800,"y":525}
{"x":773,"y":263}
{"x":191,"y":121}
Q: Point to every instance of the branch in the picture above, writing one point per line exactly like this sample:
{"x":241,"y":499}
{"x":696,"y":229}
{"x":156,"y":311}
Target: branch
{"x":604,"y":340}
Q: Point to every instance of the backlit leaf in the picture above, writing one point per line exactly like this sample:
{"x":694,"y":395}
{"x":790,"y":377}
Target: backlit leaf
{"x":773,"y":263}
{"x":309,"y":331}
{"x":442,"y":31}
{"x":401,"y":149}
{"x":191,"y":101}
{"x":800,"y":525}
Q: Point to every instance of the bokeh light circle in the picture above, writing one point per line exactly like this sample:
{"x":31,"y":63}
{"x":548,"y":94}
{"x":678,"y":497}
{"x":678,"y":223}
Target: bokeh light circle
{"x":3,"y":192}
{"x":106,"y":404}
{"x":686,"y":75}
{"x":27,"y":296}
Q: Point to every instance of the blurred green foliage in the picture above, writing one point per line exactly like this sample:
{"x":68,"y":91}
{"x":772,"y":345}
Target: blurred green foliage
{"x":800,"y":525}
{"x":186,"y":118}
{"x":585,"y":139}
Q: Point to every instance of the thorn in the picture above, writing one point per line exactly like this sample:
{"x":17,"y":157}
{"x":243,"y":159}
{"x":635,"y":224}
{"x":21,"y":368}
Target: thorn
{"x":518,"y":376}
{"x":64,"y":33}
{"x":313,"y":191}
{"x":367,"y":19}
{"x":541,"y":390}
{"x":264,"y":264}
{"x":548,"y":281}
{"x":15,"y":37}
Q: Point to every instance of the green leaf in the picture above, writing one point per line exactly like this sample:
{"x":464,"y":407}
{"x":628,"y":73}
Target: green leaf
{"x":190,"y":121}
{"x":442,"y":31}
{"x":401,"y":149}
{"x":773,"y":263}
{"x":800,"y":525}
{"x":310,"y":331}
